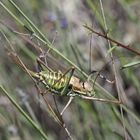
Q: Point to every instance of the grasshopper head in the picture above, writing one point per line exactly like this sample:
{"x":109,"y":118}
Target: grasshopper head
{"x":86,"y":86}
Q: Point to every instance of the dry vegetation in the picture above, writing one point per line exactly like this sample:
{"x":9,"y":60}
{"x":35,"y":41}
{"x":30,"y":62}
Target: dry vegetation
{"x":61,"y":21}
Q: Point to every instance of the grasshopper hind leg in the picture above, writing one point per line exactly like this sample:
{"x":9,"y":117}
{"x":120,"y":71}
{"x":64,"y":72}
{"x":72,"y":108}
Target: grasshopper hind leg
{"x":65,"y":90}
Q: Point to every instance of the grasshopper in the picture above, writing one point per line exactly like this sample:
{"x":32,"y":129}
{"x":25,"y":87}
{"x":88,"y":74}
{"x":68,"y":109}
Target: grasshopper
{"x":60,"y":83}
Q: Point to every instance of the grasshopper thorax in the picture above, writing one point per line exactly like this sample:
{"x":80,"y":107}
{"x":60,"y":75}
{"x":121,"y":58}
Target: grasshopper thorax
{"x":80,"y":87}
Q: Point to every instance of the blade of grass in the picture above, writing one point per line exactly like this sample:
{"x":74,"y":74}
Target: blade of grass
{"x":131,"y":64}
{"x":38,"y":129}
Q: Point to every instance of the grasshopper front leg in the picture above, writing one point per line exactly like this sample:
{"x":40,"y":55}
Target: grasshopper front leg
{"x":66,"y":106}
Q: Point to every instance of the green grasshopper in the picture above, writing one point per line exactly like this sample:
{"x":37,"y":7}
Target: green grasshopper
{"x":60,"y":83}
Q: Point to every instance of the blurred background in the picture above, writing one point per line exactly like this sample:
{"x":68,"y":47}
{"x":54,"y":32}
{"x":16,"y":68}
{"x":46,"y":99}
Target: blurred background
{"x":62,"y":22}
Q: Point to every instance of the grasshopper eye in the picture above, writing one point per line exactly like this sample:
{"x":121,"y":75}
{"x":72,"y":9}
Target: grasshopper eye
{"x":83,"y":85}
